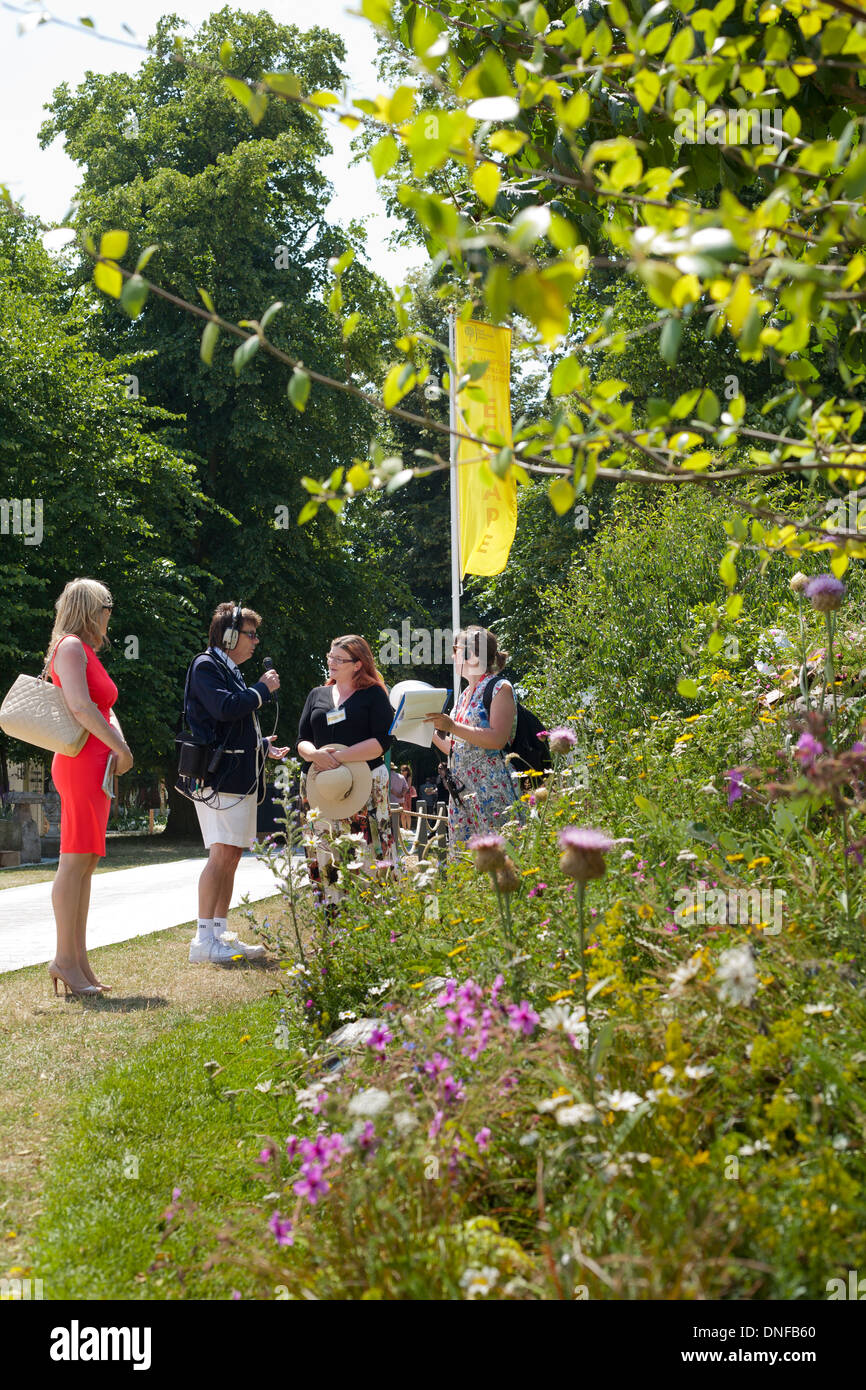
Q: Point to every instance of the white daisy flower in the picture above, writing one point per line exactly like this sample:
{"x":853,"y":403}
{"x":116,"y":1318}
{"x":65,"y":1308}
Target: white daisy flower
{"x":622,"y":1100}
{"x":822,"y":1008}
{"x":697,"y":1073}
{"x":576,"y":1114}
{"x":736,"y":976}
{"x":560,"y":1019}
{"x":479,"y":1282}
{"x":369,"y":1102}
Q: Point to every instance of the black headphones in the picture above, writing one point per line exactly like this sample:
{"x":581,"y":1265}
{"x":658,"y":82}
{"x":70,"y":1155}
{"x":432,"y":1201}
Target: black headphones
{"x":232,"y":633}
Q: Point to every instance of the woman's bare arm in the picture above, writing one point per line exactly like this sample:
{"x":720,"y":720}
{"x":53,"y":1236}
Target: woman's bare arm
{"x":70,"y":663}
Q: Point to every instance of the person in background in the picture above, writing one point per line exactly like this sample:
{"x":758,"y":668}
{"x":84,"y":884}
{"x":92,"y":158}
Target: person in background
{"x":409,"y":797}
{"x":475,"y":741}
{"x":222,"y":709}
{"x":80,"y":630}
{"x":429,"y":794}
{"x":347,"y":720}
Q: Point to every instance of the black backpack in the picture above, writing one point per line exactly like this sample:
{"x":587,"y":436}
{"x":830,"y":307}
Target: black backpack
{"x":529,"y":749}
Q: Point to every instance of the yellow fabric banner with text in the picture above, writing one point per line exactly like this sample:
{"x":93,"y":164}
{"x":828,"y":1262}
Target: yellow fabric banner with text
{"x":488,"y":509}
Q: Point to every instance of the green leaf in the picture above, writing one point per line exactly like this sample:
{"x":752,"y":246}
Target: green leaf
{"x":209,"y":340}
{"x":687,"y":687}
{"x":254,"y":103}
{"x":566,"y":375}
{"x":107,"y":277}
{"x":145,"y":257}
{"x":113,"y":245}
{"x":669,"y":341}
{"x":299,"y":388}
{"x":384,"y":155}
{"x":244,"y":353}
{"x":206,"y":300}
{"x":133,"y":295}
{"x":271,"y":310}
{"x":561,"y":493}
{"x":226,"y":52}
{"x":485,"y":181}
{"x":307,"y":512}
{"x":351,"y":324}
{"x":286,"y":84}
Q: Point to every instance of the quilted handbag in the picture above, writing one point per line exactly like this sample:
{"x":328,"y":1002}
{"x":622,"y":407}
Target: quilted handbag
{"x":36,"y":712}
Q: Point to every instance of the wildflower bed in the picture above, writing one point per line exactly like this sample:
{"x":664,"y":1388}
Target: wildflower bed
{"x":584,"y":1063}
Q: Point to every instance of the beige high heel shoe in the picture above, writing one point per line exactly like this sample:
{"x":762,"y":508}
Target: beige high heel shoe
{"x":57,"y":974}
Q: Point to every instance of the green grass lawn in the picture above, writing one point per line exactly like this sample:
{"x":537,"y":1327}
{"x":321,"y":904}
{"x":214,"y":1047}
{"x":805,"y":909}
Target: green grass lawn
{"x":55,"y":1054}
{"x":150,"y":1124}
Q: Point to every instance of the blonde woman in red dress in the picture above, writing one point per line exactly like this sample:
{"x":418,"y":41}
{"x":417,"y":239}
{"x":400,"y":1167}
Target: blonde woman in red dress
{"x":80,"y":630}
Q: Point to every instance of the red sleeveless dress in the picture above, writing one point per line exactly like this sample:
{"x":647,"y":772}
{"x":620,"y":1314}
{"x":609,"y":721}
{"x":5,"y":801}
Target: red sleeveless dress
{"x":84,"y":807}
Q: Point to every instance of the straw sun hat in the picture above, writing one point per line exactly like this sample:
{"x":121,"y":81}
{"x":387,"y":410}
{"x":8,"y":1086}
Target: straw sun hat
{"x":339,"y":792}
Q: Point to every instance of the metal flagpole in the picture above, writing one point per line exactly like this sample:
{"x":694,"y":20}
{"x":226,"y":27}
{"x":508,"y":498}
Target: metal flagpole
{"x":455,"y":516}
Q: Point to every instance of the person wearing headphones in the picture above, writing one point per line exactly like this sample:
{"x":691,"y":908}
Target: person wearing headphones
{"x":222,"y":710}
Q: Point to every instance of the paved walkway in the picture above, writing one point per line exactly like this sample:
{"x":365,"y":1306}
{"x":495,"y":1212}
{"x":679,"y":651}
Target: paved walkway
{"x":126,"y":903}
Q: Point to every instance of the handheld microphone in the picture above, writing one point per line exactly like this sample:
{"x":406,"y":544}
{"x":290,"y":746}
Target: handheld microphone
{"x":267,"y":664}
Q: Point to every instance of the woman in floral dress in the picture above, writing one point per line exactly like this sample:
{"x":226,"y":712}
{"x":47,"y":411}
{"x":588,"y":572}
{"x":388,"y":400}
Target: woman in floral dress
{"x":475,"y":741}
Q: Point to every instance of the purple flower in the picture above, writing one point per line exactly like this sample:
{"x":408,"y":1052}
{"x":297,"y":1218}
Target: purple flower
{"x":460,"y":1020}
{"x":482,"y":1139}
{"x":265,"y":1156}
{"x":436,"y":1064}
{"x":379,"y":1039}
{"x":497,"y":985}
{"x":312,"y":1183}
{"x":735,"y":784}
{"x":293,"y":1145}
{"x":825,"y":593}
{"x":366,"y":1140}
{"x":470,"y":993}
{"x":448,"y":993}
{"x":435,"y":1124}
{"x":281,"y":1231}
{"x":537,"y":890}
{"x":175,"y":1193}
{"x":808,"y":748}
{"x":320,"y":1102}
{"x":451,"y":1089}
{"x":522,"y":1018}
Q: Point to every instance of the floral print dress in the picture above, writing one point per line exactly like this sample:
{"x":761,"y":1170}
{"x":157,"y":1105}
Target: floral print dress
{"x":489,"y":798}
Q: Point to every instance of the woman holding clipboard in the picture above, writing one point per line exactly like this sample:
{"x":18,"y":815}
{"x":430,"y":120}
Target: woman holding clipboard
{"x":342,"y":739}
{"x":474,"y":740}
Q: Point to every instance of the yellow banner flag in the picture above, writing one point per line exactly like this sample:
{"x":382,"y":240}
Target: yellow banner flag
{"x":488,"y":509}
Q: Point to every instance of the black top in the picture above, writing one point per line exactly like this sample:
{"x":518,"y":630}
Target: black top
{"x":220,"y":708}
{"x":368,"y":715}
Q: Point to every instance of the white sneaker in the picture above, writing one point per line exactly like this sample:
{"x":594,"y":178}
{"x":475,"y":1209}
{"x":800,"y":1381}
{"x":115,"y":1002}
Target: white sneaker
{"x":230,"y":938}
{"x":213,"y":951}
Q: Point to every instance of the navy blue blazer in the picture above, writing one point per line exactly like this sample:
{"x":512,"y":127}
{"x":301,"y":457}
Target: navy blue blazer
{"x":220,"y":708}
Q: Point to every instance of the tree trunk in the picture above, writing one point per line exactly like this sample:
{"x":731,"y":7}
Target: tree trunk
{"x":182,"y":823}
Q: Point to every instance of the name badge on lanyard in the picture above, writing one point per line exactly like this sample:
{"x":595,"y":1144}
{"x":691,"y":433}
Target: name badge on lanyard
{"x":335,"y":716}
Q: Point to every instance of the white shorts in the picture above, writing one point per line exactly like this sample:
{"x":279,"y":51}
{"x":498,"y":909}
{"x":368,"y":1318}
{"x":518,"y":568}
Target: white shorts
{"x":231,"y":820}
